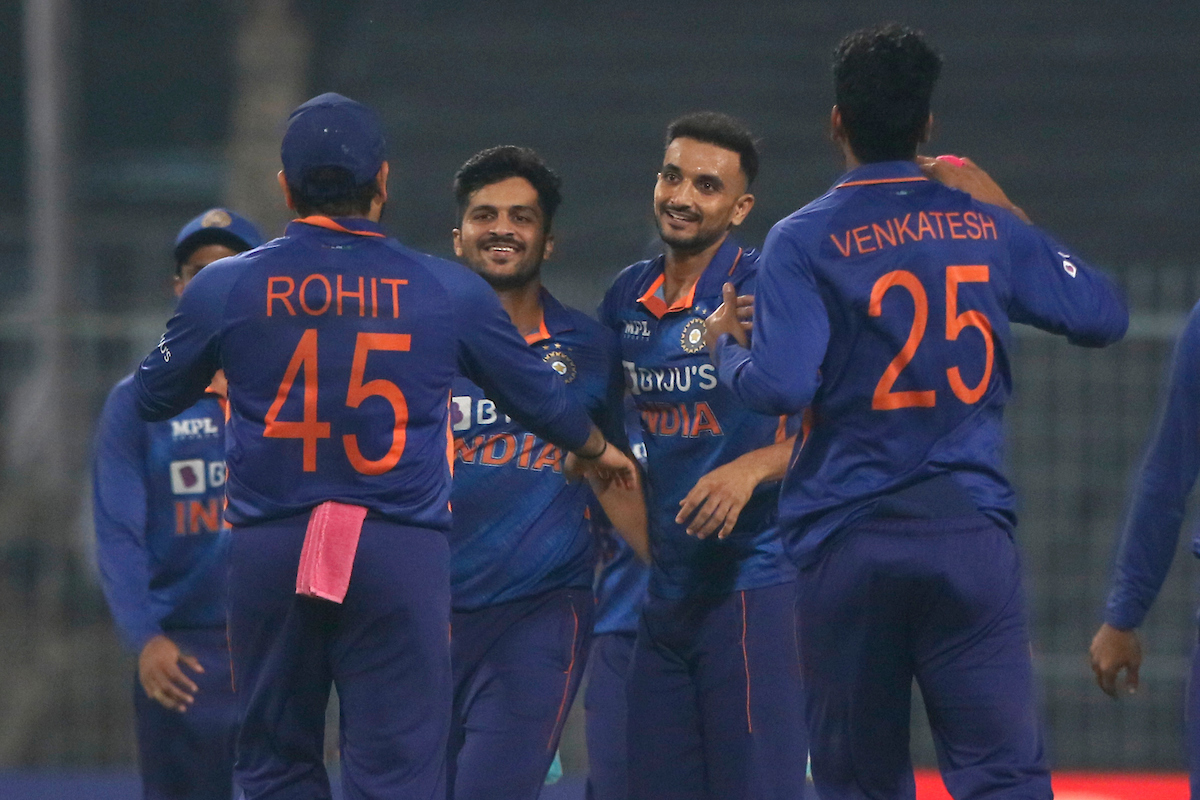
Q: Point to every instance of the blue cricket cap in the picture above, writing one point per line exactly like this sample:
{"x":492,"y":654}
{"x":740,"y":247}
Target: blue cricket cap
{"x":332,"y":131}
{"x":216,"y":226}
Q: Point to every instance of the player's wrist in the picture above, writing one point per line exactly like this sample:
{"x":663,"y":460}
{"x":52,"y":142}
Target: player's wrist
{"x":593,"y":456}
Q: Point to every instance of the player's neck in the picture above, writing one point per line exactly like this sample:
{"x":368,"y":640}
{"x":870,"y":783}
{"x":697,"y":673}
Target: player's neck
{"x":682,"y":270}
{"x":524,"y":306}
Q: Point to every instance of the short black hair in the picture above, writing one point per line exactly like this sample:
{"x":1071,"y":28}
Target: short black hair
{"x":331,"y":191}
{"x":883,"y":82}
{"x":506,"y":161}
{"x":713,"y":127}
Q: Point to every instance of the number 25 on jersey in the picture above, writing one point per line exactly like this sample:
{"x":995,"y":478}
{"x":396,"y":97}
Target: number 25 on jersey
{"x":885,"y":399}
{"x":309,"y":429}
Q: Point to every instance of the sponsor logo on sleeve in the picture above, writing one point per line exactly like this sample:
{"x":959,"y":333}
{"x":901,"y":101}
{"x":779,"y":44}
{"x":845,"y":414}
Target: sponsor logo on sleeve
{"x":187,"y":477}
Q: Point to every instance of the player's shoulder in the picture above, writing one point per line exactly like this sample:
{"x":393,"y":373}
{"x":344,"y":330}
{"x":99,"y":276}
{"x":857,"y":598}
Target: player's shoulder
{"x":121,"y":406}
{"x":632,"y":280}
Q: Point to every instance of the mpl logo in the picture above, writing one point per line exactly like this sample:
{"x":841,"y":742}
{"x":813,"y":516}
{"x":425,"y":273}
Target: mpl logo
{"x":193,"y":428}
{"x":637,"y":329}
{"x":195,"y":476}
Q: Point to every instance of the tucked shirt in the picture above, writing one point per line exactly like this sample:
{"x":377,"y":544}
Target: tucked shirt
{"x":158,"y":496}
{"x":885,"y":306}
{"x":341,"y":346}
{"x":691,"y":425}
{"x":520,"y":529}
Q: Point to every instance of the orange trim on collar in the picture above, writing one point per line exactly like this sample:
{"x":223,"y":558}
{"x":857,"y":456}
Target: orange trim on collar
{"x":657,"y":306}
{"x":541,"y":334}
{"x":879,"y":180}
{"x":326,"y":222}
{"x":736,"y":260}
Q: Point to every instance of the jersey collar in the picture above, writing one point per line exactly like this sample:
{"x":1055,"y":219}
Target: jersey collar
{"x":356,"y":226}
{"x":555,"y":320}
{"x":718,"y":271}
{"x":882,"y":172}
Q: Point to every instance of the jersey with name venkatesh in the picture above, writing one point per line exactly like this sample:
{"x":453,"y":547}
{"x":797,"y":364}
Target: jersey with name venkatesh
{"x":340,"y":346}
{"x":691,"y":425}
{"x":520,"y":528}
{"x":885,"y":304}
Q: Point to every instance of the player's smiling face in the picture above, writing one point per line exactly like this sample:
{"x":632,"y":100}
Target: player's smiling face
{"x":503,"y":235}
{"x":700,"y":194}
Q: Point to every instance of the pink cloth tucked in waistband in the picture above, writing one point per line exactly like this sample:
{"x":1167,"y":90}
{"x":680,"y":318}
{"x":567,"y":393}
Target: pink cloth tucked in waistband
{"x":327,"y":557}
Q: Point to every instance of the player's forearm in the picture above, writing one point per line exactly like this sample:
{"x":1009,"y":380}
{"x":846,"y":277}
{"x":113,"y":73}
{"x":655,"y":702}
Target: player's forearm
{"x":626,"y":510}
{"x":787,"y":391}
{"x":768,"y":463}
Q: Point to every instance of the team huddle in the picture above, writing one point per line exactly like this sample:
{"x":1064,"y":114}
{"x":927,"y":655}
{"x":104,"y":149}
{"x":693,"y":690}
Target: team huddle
{"x":752,"y":499}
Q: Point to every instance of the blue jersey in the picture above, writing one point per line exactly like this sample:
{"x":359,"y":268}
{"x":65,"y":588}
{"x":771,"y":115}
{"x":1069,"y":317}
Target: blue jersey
{"x":340,"y":346}
{"x":1160,"y":494}
{"x":158,"y":496}
{"x":519,"y":528}
{"x":885,"y":304}
{"x":692,"y":425}
{"x":621,"y":577}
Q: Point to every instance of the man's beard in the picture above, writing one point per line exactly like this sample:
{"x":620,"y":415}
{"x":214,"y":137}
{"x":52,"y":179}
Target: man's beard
{"x":524,"y":276}
{"x":695,"y":244}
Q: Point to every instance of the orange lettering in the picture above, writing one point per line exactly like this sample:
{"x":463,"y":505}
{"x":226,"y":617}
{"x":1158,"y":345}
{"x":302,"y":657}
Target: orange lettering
{"x":526,"y":450}
{"x":669,"y":423}
{"x":490,"y":456}
{"x":395,"y":283}
{"x":988,"y":224}
{"x":551,"y":457}
{"x":972,"y":221}
{"x":859,"y":238}
{"x":179,"y":518}
{"x":685,"y":423}
{"x":206,"y":514}
{"x":881,"y":234}
{"x":954,"y":225}
{"x":374,"y":297}
{"x":845,"y":251}
{"x":902,"y":228}
{"x":706,"y":420}
{"x":923,"y":225}
{"x":273,"y":295}
{"x":360,"y":294}
{"x":650,"y":417}
{"x":328,"y":294}
{"x":467,"y":453}
{"x":939,"y":215}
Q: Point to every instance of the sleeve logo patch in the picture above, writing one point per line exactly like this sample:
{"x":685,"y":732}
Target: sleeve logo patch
{"x":460,"y":413}
{"x":561,"y":363}
{"x":692,"y":338}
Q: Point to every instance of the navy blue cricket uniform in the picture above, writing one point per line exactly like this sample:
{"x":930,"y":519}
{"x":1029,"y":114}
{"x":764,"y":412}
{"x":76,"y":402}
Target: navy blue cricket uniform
{"x":341,"y":346}
{"x":521,"y":566}
{"x":163,"y":549}
{"x":1157,"y":510}
{"x":714,"y":679}
{"x":885,"y":306}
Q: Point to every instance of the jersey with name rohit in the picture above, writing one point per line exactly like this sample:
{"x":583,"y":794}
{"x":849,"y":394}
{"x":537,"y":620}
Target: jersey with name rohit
{"x":886,"y":304}
{"x":158,"y":495}
{"x":519,"y":528}
{"x":341,"y":347}
{"x":692,"y":425}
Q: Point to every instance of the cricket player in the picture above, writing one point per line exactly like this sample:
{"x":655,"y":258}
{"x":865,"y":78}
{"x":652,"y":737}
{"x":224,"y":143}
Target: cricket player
{"x":1152,"y":533}
{"x":340,"y":347}
{"x":521,"y":558}
{"x":714,"y":681}
{"x":884,"y":306}
{"x":620,"y":590}
{"x":162,"y":548}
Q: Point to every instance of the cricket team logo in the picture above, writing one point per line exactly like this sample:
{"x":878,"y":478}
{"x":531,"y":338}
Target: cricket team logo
{"x":692,"y":338}
{"x":217,"y":218}
{"x":561,"y":363}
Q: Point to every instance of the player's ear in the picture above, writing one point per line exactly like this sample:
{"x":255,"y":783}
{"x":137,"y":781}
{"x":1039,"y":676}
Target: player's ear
{"x":741,"y":208}
{"x":287,"y":193}
{"x":381,"y":180}
{"x":456,"y":235}
{"x":836,"y":133}
{"x":548,"y":247}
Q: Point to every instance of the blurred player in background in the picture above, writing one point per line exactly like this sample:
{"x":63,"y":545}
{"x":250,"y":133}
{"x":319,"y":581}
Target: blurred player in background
{"x":162,"y":547}
{"x":713,"y":691}
{"x":884,"y":306}
{"x":1152,"y":533}
{"x":340,"y":347}
{"x":620,"y":589}
{"x":521,"y":559}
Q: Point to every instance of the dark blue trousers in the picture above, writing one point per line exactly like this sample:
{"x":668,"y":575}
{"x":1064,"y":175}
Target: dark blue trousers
{"x":387,"y":649}
{"x":714,"y":699}
{"x":517,"y":667}
{"x":604,"y":704}
{"x":189,"y":756}
{"x":941,"y":601}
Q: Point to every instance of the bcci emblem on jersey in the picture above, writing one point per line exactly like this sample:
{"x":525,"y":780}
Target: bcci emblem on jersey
{"x":561,"y":363}
{"x":692,"y":338}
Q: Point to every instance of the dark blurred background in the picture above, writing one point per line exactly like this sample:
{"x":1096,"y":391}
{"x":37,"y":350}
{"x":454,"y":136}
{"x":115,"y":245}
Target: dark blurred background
{"x":125,"y":119}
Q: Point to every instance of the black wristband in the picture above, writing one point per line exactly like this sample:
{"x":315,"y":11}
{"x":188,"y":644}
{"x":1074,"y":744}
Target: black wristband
{"x":603,"y":450}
